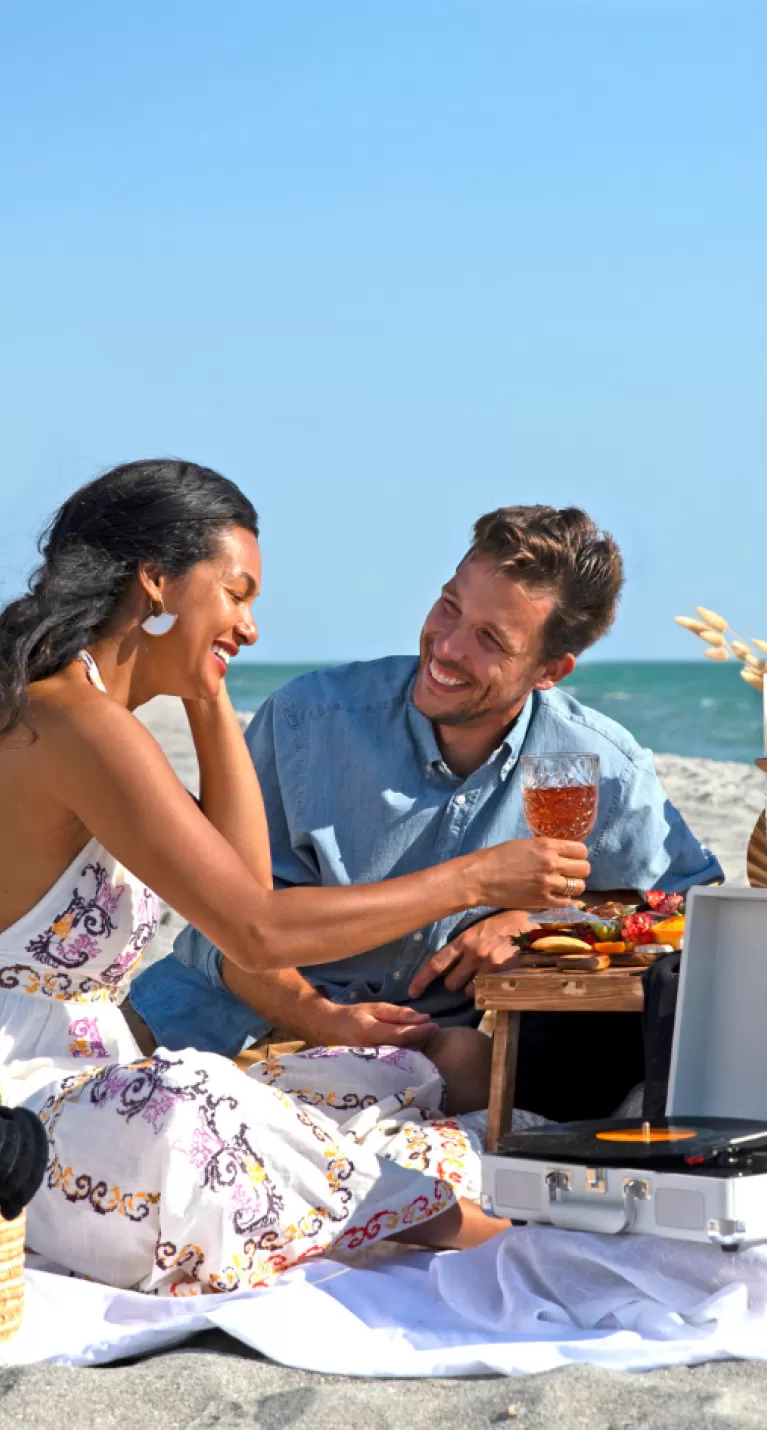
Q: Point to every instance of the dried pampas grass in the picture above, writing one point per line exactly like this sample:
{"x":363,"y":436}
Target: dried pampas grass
{"x":716,"y":623}
{"x":690,"y":624}
{"x":723,"y":642}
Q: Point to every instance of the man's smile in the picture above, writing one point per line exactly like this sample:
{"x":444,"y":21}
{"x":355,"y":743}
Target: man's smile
{"x":443,"y":677}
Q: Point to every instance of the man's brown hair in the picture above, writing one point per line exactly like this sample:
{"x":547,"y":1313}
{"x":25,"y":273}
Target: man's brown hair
{"x":563,"y":552}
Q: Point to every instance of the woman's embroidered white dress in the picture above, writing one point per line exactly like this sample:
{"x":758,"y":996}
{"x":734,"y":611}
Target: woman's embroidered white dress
{"x":179,"y":1173}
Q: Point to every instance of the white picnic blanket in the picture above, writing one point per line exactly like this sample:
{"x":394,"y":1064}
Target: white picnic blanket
{"x":530,"y":1300}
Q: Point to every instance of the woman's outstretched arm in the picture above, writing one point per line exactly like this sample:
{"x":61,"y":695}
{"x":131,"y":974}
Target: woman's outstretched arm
{"x":100,"y":763}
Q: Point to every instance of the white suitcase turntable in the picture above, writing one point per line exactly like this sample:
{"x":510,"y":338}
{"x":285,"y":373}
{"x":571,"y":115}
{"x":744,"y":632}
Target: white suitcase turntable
{"x":700,"y":1174}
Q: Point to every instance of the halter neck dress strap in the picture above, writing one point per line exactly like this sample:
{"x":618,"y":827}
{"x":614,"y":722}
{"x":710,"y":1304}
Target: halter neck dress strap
{"x":93,"y":672}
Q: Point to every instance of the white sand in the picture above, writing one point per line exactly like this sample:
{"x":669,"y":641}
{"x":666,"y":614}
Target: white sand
{"x":720,"y":800}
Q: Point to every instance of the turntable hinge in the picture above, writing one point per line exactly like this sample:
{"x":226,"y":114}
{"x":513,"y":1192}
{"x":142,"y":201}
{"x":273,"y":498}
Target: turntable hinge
{"x":596,"y":1180}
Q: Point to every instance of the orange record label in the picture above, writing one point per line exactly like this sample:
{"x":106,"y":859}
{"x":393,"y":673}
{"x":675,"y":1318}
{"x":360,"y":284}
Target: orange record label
{"x":647,"y":1134}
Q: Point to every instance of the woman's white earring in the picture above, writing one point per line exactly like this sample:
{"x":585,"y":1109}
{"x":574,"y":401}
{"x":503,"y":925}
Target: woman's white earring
{"x":159,"y":621}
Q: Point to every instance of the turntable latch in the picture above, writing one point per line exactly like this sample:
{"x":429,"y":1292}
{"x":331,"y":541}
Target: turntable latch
{"x":585,"y":1213}
{"x":558,"y":1181}
{"x":636,"y":1189}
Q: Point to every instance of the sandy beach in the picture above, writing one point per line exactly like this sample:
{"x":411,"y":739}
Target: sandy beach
{"x":216,"y":1382}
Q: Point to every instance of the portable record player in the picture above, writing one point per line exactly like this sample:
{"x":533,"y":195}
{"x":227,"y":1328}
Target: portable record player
{"x":700,"y":1173}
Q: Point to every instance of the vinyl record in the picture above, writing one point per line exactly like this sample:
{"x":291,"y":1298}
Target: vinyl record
{"x":646,"y":1132}
{"x":683,"y":1142}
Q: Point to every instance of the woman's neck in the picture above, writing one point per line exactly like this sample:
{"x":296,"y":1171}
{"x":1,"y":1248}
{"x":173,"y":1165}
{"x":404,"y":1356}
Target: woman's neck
{"x":120,"y":663}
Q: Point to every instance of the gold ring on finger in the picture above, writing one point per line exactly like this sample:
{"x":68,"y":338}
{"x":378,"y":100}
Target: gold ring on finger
{"x":571,"y":887}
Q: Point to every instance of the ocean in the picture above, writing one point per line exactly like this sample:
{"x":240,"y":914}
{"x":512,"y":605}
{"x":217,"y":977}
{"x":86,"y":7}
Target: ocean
{"x":676,"y":708}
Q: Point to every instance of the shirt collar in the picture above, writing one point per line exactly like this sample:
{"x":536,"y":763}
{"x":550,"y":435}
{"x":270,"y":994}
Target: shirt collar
{"x":429,"y":754}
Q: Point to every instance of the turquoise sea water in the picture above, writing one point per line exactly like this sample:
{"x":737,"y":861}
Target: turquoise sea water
{"x":677,"y":708}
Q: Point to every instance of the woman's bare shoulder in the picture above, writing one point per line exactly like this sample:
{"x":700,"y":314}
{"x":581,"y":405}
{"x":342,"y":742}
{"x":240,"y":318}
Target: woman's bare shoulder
{"x":52,"y":708}
{"x":68,"y":715}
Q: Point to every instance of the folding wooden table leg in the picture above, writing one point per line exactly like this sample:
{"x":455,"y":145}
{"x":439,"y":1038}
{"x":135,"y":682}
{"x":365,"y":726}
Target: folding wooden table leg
{"x":503,"y":1076}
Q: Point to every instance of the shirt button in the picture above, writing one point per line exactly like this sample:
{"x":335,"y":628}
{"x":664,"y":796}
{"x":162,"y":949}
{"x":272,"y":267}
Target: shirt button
{"x":397,"y":976}
{"x":460,"y":799}
{"x":417,"y":938}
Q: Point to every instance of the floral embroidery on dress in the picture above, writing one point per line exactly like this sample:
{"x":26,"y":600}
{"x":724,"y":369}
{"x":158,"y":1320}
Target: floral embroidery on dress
{"x":382,"y":1054}
{"x":93,"y":915}
{"x":135,"y":1206}
{"x":146,"y":1089}
{"x":232,"y":1162}
{"x":418,"y":1147}
{"x":147,"y":919}
{"x":172,"y":1258}
{"x":455,"y":1151}
{"x":19,"y":977}
{"x":85,"y":1039}
{"x":340,"y":1102}
{"x":420,"y":1209}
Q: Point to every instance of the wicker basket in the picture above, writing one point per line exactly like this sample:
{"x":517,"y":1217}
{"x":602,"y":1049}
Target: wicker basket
{"x":756,"y":858}
{"x":11,"y":1275}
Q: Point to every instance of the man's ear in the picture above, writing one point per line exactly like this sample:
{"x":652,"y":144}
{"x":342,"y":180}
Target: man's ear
{"x":555,"y":671}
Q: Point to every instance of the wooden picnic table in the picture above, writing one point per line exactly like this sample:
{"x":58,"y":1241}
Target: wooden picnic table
{"x":507,"y":995}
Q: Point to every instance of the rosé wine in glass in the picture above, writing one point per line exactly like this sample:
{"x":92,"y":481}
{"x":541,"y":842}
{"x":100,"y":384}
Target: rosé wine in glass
{"x":560,"y":794}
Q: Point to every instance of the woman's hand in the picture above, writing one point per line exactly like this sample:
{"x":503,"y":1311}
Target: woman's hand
{"x":210,"y":707}
{"x":369,"y":1025}
{"x":532,"y":873}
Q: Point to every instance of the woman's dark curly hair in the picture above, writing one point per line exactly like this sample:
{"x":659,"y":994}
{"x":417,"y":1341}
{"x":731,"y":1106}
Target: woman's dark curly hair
{"x":165,"y":512}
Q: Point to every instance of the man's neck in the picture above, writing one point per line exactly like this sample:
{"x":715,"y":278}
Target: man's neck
{"x":464,"y":748}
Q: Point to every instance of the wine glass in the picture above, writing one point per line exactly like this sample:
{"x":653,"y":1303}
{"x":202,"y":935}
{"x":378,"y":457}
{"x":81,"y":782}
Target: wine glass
{"x":560,"y":794}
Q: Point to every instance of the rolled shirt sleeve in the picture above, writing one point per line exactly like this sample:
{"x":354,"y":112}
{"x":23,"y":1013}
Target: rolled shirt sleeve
{"x":644,"y":841}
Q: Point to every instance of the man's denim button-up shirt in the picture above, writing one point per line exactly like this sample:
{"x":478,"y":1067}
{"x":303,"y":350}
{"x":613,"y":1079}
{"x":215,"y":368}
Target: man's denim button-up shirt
{"x":356,"y":791}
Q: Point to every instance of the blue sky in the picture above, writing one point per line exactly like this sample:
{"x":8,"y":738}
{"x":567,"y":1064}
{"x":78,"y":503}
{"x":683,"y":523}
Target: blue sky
{"x":388,"y":266}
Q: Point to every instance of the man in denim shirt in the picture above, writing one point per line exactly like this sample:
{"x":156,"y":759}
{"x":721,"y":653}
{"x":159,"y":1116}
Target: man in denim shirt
{"x":386,"y":767}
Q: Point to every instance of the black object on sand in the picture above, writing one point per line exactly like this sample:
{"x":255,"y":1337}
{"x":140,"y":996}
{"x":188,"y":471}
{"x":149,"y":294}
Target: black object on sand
{"x":23,"y":1159}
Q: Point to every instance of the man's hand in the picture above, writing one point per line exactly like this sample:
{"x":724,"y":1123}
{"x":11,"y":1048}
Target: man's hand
{"x":483,"y":948}
{"x":367,"y":1025}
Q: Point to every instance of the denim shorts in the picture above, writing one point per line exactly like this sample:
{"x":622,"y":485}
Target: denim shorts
{"x":188,"y":1007}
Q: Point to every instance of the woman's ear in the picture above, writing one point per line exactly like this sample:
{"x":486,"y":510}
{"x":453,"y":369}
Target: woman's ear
{"x":151,"y":580}
{"x":555,"y":671}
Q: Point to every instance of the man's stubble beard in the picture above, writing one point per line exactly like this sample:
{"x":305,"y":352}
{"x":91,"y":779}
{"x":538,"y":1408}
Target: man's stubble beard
{"x":480,"y":712}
